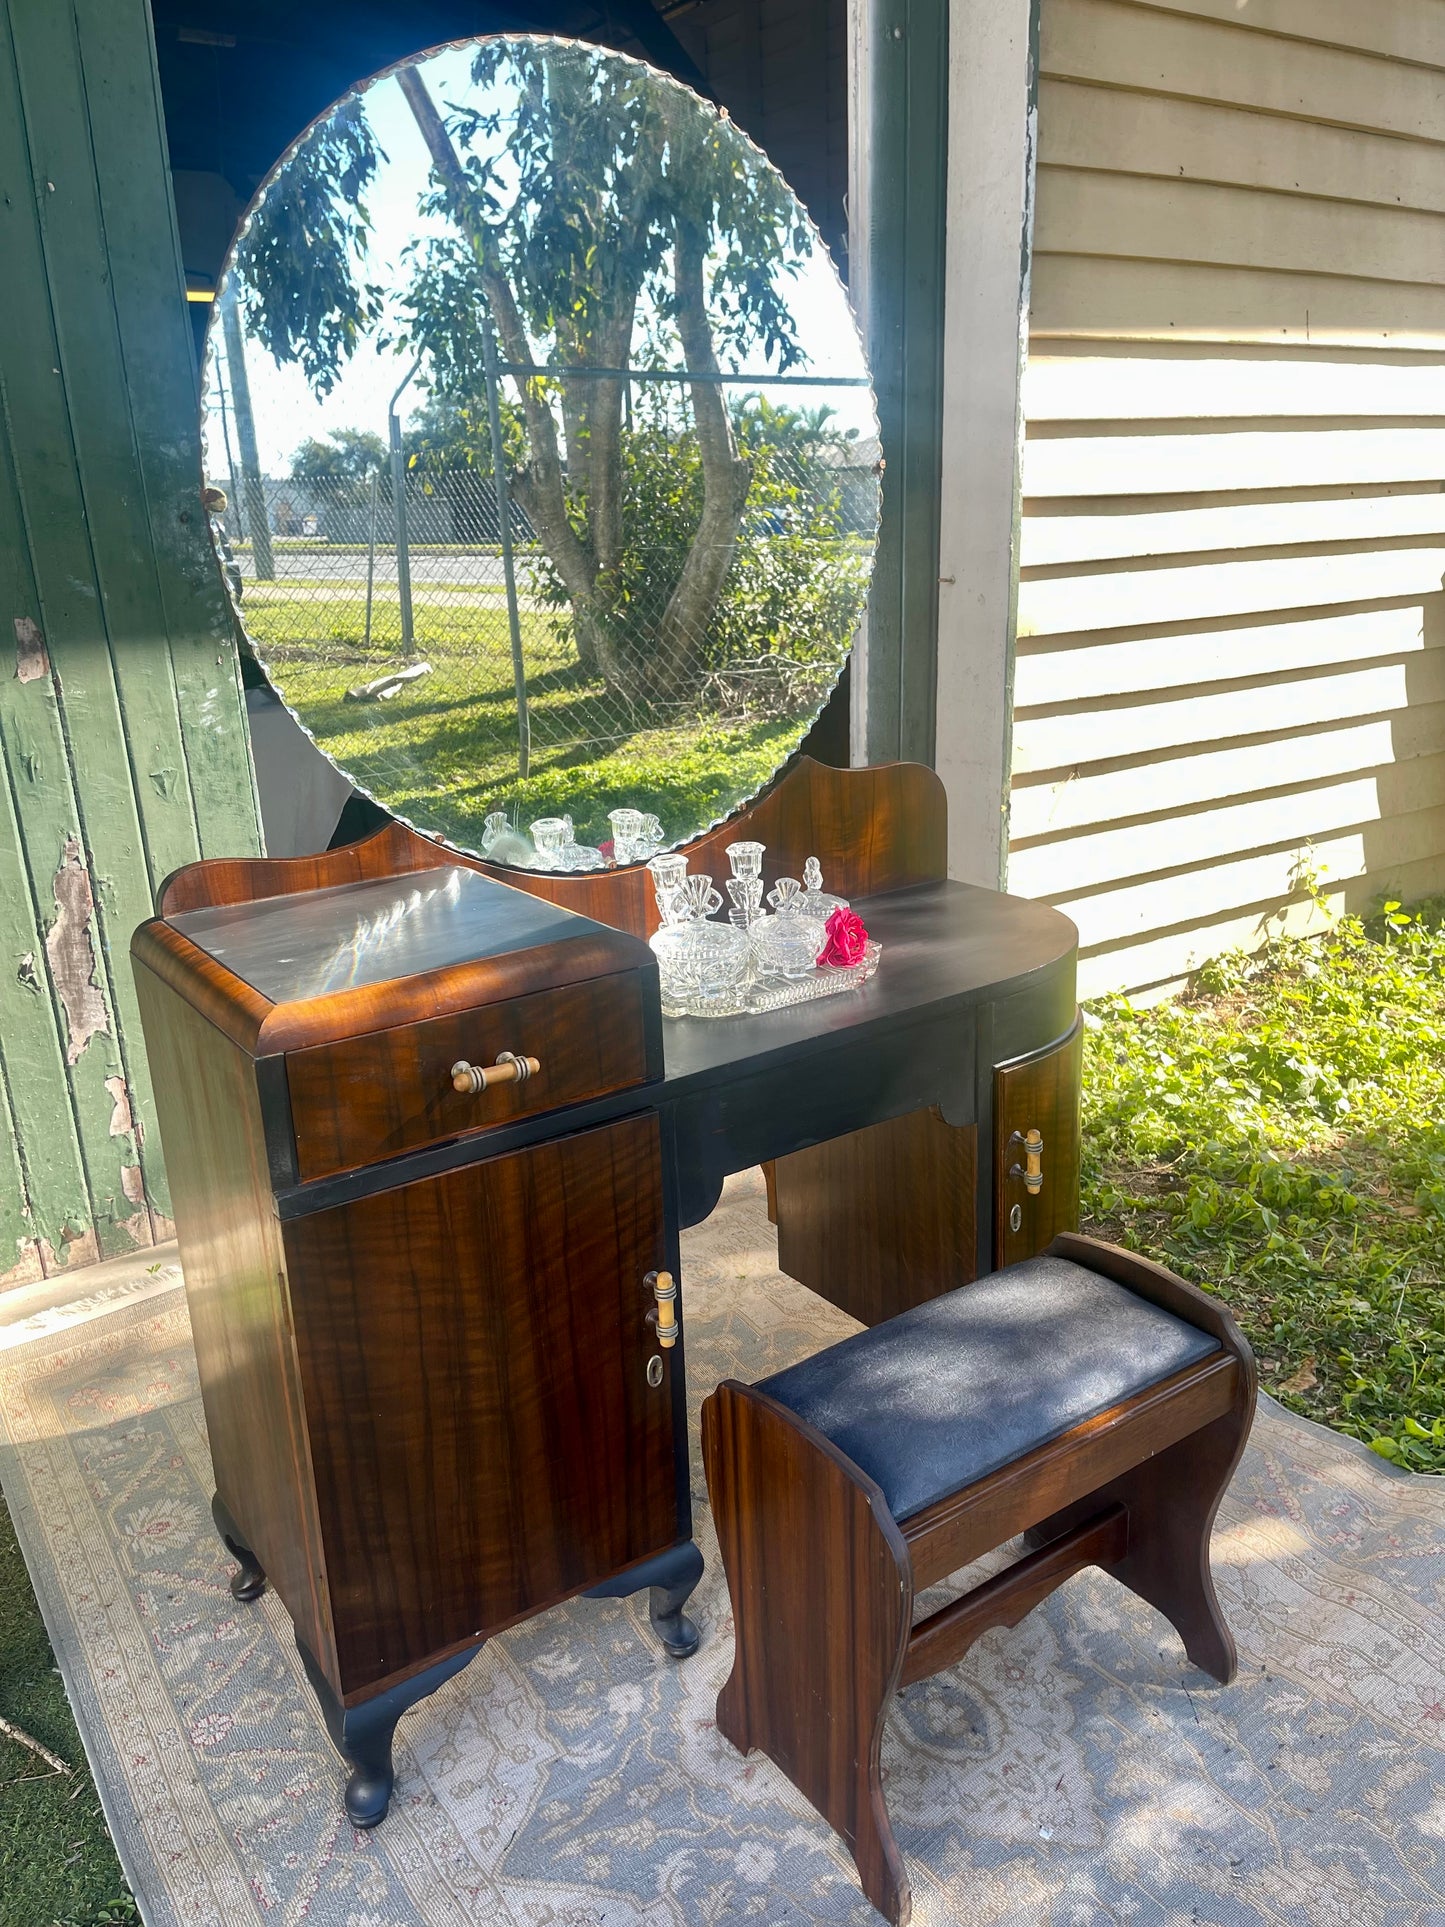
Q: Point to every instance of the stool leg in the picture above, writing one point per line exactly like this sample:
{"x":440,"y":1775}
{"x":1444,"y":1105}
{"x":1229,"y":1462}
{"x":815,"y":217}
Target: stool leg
{"x":822,"y":1598}
{"x":1172,"y":1501}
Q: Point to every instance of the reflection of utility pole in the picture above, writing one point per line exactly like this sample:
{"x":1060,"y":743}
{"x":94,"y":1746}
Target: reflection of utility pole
{"x":261,"y":559}
{"x":398,"y":508}
{"x":371,"y":556}
{"x":237,"y":523}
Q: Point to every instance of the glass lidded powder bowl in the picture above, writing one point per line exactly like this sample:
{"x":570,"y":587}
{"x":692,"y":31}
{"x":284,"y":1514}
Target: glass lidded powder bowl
{"x":786,"y":946}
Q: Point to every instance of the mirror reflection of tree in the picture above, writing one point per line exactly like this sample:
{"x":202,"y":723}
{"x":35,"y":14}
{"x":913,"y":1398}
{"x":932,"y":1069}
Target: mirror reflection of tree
{"x":695,"y":550}
{"x":607,"y":189}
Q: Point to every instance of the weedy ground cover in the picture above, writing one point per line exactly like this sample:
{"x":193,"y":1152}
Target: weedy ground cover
{"x":1277,"y":1135}
{"x":57,"y":1864}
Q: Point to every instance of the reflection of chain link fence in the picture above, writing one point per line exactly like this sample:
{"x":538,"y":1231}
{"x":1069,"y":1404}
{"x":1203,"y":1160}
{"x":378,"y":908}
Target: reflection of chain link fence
{"x":457,"y":505}
{"x":390,"y":634}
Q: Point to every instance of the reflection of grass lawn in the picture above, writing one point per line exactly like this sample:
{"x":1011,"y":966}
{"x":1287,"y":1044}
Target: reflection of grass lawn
{"x":297,"y":598}
{"x":443,"y":752}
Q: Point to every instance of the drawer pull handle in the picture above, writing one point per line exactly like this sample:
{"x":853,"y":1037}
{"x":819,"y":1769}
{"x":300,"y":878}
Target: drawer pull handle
{"x":664,"y":1290}
{"x":1032,"y":1168}
{"x":508,"y":1069}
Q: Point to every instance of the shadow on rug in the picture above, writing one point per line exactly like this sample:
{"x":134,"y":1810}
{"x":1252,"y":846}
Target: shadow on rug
{"x":1074,"y":1769}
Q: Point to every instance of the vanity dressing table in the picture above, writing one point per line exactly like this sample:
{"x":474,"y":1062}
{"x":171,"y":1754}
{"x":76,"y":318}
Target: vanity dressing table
{"x":431,"y":1141}
{"x":426,"y":1319}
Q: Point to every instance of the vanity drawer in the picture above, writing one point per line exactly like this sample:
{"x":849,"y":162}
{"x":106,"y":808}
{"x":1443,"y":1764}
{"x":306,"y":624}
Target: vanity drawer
{"x":370,"y":1097}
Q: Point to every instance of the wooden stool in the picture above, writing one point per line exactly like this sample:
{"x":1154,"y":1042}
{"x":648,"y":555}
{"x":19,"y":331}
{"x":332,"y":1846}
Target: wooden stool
{"x":1086,"y":1398}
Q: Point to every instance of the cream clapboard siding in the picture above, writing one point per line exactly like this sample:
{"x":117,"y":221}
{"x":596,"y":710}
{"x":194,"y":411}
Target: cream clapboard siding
{"x":1231,"y":627}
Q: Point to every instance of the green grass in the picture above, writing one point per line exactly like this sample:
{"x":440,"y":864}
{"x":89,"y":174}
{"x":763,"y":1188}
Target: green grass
{"x":444,"y":751}
{"x":1278,"y":1136}
{"x":57,"y":1863}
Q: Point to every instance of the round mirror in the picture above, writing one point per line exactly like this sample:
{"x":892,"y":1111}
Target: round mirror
{"x":548,"y":450}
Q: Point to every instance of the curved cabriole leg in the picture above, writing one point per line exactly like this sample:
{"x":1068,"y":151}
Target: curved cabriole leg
{"x":669,"y":1594}
{"x":670,"y":1576}
{"x":250,"y":1582}
{"x":822,"y":1597}
{"x":362,"y":1734}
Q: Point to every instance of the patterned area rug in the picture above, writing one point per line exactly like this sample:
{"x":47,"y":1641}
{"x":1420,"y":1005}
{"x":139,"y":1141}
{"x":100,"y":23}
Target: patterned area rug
{"x":1074,"y":1769}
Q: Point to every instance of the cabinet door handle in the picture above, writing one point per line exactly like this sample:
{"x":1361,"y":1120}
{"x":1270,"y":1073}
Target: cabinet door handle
{"x":664,"y":1317}
{"x":508,"y":1069}
{"x":1032,"y":1168}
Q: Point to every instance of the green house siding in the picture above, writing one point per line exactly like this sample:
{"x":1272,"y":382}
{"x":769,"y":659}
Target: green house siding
{"x":122,"y":729}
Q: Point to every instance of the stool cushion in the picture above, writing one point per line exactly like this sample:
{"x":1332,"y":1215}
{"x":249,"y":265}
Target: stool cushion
{"x":930,"y":1401}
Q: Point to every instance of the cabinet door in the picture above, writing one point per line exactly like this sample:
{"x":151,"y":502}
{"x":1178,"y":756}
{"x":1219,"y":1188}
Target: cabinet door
{"x":474,"y":1359}
{"x":1038,"y":1093}
{"x":882,"y":1219}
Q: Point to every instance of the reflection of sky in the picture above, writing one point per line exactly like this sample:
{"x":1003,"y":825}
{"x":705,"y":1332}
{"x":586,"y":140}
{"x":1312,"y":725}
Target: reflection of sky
{"x":286,"y":412}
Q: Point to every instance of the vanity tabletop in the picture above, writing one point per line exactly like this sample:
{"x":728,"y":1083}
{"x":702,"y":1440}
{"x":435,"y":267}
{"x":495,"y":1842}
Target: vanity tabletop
{"x":283,"y":972}
{"x":355,"y":935}
{"x":943,"y":943}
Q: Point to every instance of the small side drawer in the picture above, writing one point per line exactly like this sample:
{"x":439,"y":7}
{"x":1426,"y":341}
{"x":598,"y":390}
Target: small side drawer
{"x":373,"y":1096}
{"x":1038,"y":1093}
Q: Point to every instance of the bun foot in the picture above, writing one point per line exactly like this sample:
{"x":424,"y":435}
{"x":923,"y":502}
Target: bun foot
{"x":368,"y":1791}
{"x":670,"y":1576}
{"x":250,"y":1582}
{"x":678,"y":1635}
{"x":362,"y":1734}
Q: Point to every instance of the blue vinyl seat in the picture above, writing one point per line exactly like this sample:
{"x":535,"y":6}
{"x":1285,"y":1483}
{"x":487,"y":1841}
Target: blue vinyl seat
{"x":942,"y":1395}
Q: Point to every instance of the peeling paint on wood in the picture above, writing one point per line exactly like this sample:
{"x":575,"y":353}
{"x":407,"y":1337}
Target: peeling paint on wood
{"x":31,"y":659}
{"x":120,"y":1118}
{"x":76,"y":1248}
{"x":27,"y":1269}
{"x":81,"y":1248}
{"x":70,"y":946}
{"x":122,"y":726}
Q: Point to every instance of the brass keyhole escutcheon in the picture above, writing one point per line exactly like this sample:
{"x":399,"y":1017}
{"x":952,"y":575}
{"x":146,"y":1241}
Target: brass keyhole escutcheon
{"x":654,"y":1370}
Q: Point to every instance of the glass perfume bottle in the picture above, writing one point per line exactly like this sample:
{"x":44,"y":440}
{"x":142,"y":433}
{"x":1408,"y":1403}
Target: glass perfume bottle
{"x":815,"y":900}
{"x":785,"y":896}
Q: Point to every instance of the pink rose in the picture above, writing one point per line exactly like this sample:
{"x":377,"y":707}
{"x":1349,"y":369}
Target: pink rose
{"x":844,"y":939}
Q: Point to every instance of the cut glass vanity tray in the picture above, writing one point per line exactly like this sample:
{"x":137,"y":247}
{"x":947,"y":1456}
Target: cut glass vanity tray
{"x":754,"y":962}
{"x":757,"y":991}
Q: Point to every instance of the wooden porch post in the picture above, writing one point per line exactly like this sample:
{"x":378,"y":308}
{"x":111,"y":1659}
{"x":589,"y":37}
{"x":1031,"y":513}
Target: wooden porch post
{"x":898,"y":117}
